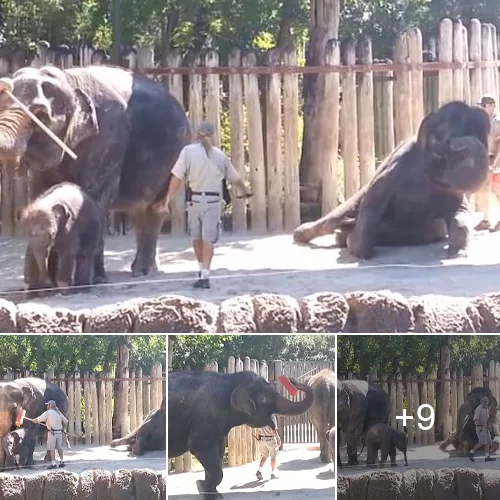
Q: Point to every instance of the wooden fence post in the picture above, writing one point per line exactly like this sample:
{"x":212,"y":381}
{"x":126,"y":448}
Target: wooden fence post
{"x":349,"y":122}
{"x":109,"y":407}
{"x":237,"y":137}
{"x":274,"y":155}
{"x":258,"y":202}
{"x":291,"y":143}
{"x":96,"y":424}
{"x":458,"y":54}
{"x":415,"y":49}
{"x":101,"y":411}
{"x":445,"y":55}
{"x":330,"y":142}
{"x":403,"y":126}
{"x":486,"y":49}
{"x":212,"y":97}
{"x":195,"y":95}
{"x":366,"y":125}
{"x":465,"y":71}
{"x":87,"y":398}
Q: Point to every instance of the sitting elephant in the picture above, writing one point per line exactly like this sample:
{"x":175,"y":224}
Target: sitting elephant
{"x":386,"y":439}
{"x":464,"y":437}
{"x":150,"y":435}
{"x":63,"y":228}
{"x":126,"y":130}
{"x":418,"y":194}
{"x":20,"y":443}
{"x":360,"y":405}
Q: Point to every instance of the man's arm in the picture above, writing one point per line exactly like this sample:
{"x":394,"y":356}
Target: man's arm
{"x":235,"y":178}
{"x":41,"y":418}
{"x":64,"y":420}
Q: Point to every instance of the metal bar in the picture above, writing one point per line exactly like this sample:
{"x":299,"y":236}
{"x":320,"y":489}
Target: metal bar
{"x":358,"y":68}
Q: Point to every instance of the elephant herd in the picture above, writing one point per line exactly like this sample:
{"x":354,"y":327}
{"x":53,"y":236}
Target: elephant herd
{"x":126,"y":131}
{"x":24,"y":399}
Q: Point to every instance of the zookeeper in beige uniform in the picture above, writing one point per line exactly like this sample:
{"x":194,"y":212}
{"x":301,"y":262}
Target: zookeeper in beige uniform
{"x":488,"y":103}
{"x":204,"y":167}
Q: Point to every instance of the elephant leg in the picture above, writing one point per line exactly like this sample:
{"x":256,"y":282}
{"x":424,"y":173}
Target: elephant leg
{"x":392,"y":454}
{"x":147,"y":224}
{"x":384,"y":452}
{"x":99,"y":270}
{"x":371,"y":453}
{"x":210,"y":459}
{"x":352,"y":448}
{"x":65,"y":267}
{"x":459,"y":232}
{"x":31,"y":274}
{"x":428,"y":232}
{"x":324,"y":453}
{"x":138,"y":446}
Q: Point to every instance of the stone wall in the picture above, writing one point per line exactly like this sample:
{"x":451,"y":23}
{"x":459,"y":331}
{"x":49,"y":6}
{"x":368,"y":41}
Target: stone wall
{"x":443,"y":484}
{"x":135,"y":484}
{"x":326,"y":312}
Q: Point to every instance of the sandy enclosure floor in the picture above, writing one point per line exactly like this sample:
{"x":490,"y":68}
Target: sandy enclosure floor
{"x":300,"y":475}
{"x":81,"y":458}
{"x":423,"y":457}
{"x":257,"y":264}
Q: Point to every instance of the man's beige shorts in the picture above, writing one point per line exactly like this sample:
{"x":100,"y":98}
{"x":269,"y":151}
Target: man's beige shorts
{"x":54,"y":441}
{"x":483,"y":434}
{"x":268,"y":448}
{"x":204,"y":220}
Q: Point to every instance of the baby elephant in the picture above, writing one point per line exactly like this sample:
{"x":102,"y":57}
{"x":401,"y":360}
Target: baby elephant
{"x":330,"y":436}
{"x":63,"y":226}
{"x":386,"y":439}
{"x":20,"y":442}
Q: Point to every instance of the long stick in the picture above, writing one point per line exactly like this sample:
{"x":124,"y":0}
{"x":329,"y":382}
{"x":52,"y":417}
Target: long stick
{"x":49,"y":132}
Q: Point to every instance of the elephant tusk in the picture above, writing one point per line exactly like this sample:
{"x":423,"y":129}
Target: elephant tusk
{"x":6,"y":86}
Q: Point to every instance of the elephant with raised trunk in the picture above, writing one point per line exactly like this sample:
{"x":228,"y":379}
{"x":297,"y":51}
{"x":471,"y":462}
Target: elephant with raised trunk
{"x":150,"y":435}
{"x":418,"y":194}
{"x":28,"y":394}
{"x":464,"y":437}
{"x":322,"y":411}
{"x":126,"y":130}
{"x":204,"y":406}
{"x":360,"y":405}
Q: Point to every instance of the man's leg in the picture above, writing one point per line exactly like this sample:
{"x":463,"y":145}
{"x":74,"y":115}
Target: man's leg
{"x":264,"y":453}
{"x":60,"y":449}
{"x":483,"y":205}
{"x":194,"y":230}
{"x":51,"y":445}
{"x":495,"y":190}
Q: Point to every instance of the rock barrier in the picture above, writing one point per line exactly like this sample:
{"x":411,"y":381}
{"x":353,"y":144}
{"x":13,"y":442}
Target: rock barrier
{"x":443,"y":484}
{"x":134,"y":484}
{"x":325,"y":312}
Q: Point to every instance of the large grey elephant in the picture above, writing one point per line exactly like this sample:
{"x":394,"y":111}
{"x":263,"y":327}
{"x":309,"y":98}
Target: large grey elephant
{"x":322,"y":411}
{"x":126,"y":129}
{"x":360,"y":405}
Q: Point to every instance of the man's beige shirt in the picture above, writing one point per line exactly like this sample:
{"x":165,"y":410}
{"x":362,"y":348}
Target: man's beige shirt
{"x":481,"y":416}
{"x":204,"y":173}
{"x":494,"y":142}
{"x":53,"y":419}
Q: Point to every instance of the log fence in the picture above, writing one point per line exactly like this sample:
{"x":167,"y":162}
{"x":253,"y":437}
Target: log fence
{"x":369,"y":106}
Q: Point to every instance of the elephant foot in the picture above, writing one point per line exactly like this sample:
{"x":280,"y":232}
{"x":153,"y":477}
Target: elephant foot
{"x":359,"y":250}
{"x":454,"y":253}
{"x":139,"y":268}
{"x":394,"y":464}
{"x":207,"y":495}
{"x":325,"y":459}
{"x":305,"y":232}
{"x":100,"y":279}
{"x":353,"y":460}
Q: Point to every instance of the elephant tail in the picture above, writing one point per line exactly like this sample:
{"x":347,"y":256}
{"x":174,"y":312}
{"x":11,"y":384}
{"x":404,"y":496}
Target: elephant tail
{"x":359,"y":454}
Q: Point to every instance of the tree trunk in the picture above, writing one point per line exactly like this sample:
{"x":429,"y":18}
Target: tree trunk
{"x":121,"y":366}
{"x":324,"y":26}
{"x":443,"y":391}
{"x":170,"y":350}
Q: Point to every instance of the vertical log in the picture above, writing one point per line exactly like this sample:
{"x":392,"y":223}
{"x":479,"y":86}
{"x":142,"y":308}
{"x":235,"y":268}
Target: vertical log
{"x":349,"y":122}
{"x":291,"y":143}
{"x":255,"y":147}
{"x":212,"y":98}
{"x":273,"y":144}
{"x":486,"y":56}
{"x":475,"y":55}
{"x":458,"y":54}
{"x":195,"y":95}
{"x":445,"y":54}
{"x":133,"y":401}
{"x":403,"y":126}
{"x":330,"y":144}
{"x":87,"y":398}
{"x":415,"y":49}
{"x":387,"y":111}
{"x":140,"y":398}
{"x":109,"y":408}
{"x":101,"y":412}
{"x":237,"y":137}
{"x":465,"y":71}
{"x":366,"y":125}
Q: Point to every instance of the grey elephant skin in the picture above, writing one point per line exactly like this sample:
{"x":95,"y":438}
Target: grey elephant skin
{"x":418,"y":194}
{"x":63,"y":226}
{"x":331,"y":434}
{"x":360,"y":405}
{"x":204,"y":406}
{"x":28,"y":394}
{"x":150,"y":435}
{"x":386,"y":439}
{"x":20,"y":443}
{"x":322,"y":411}
{"x":464,"y":436}
{"x":126,"y":129}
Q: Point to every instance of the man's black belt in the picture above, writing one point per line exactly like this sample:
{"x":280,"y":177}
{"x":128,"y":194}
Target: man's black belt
{"x":206,"y":193}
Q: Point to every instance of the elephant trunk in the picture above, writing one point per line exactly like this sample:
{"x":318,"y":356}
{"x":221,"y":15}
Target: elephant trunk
{"x":16,"y":129}
{"x":286,"y":407}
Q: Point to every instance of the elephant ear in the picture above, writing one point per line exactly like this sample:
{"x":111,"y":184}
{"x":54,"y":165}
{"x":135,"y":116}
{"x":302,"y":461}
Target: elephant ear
{"x":83,"y":123}
{"x":241,"y":401}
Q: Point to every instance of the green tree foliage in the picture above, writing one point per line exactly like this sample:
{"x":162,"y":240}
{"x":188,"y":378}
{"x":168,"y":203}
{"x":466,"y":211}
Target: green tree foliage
{"x":193,"y":352}
{"x":412,"y":354}
{"x":77,"y":352}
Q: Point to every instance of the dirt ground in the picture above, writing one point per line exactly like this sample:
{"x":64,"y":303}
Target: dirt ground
{"x":257,"y":264}
{"x":300,"y":475}
{"x":81,"y":458}
{"x":424,"y":457}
